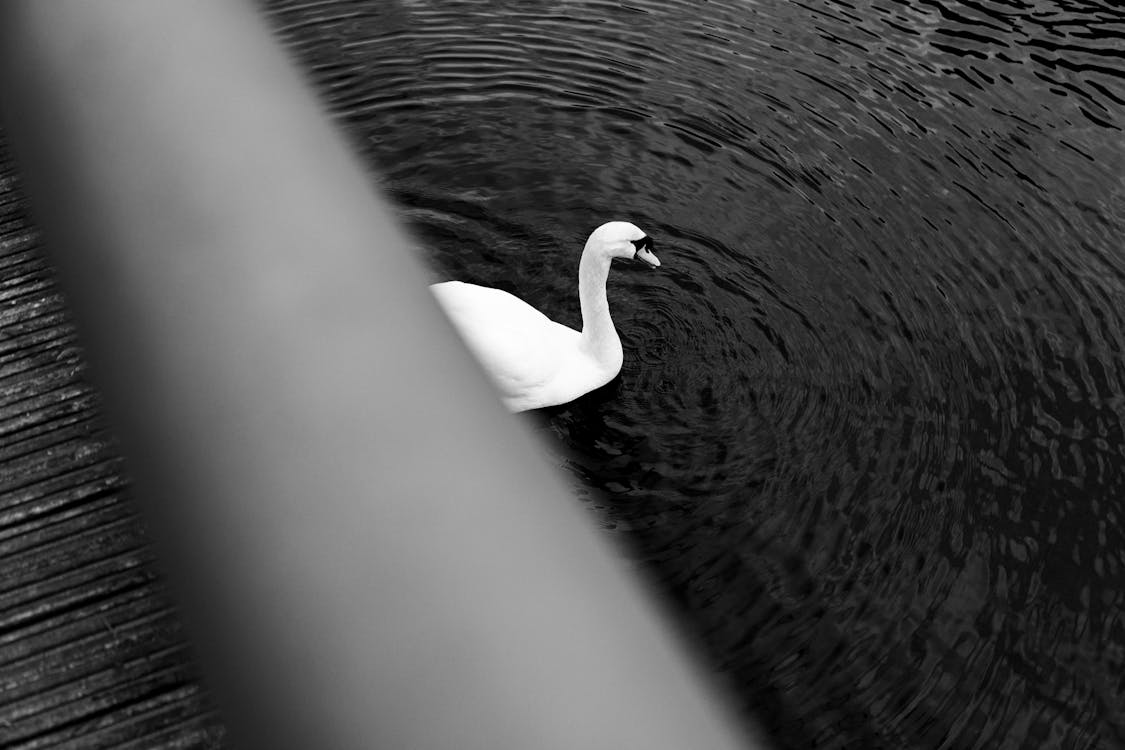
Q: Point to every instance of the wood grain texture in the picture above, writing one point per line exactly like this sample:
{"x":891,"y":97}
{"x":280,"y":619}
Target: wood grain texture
{"x":92,"y":652}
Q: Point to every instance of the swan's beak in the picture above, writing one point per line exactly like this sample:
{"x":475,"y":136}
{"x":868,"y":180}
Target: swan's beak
{"x":647,"y":257}
{"x":644,"y":251}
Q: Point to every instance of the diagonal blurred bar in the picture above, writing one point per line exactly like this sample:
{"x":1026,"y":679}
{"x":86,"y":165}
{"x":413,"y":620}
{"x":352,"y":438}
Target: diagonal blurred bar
{"x":369,"y":550}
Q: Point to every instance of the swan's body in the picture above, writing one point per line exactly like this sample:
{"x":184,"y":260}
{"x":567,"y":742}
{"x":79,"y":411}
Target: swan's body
{"x":532,"y":360}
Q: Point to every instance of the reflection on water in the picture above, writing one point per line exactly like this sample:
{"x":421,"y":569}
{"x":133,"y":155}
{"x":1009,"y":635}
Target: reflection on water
{"x":868,"y":435}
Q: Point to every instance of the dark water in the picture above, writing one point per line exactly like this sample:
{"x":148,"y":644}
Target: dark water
{"x":869,"y":431}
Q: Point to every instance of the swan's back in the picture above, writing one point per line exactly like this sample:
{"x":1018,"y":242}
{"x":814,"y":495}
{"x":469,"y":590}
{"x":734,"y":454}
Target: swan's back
{"x":483,"y":305}
{"x":527,"y":354}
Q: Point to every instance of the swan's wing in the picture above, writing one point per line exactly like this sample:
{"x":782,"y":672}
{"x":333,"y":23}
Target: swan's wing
{"x":521,"y":348}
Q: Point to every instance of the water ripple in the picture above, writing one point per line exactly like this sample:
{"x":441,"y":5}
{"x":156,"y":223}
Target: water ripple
{"x":867,"y":436}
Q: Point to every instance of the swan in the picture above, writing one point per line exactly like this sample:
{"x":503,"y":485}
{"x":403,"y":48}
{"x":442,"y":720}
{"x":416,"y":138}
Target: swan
{"x":532,"y":360}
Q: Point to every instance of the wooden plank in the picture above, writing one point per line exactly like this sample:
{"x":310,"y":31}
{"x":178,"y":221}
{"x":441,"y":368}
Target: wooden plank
{"x":175,"y":707}
{"x":92,"y":652}
{"x":36,"y":507}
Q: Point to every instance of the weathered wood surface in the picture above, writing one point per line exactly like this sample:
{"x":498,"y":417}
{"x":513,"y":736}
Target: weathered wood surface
{"x":92,"y":653}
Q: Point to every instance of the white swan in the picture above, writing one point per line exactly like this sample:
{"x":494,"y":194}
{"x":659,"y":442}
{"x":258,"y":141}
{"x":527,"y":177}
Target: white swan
{"x":532,"y":360}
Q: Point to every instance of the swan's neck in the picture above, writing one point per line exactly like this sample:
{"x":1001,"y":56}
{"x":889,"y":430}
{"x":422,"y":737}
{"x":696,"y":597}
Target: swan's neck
{"x":599,"y":337}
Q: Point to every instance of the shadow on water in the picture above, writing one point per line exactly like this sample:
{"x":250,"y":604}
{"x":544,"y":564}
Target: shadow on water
{"x":868,"y":438}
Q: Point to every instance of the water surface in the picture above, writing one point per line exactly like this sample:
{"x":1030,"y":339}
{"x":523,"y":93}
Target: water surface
{"x":868,"y":435}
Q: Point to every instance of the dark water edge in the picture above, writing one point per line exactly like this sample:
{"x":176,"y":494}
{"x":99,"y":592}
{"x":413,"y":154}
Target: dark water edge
{"x":868,"y":436}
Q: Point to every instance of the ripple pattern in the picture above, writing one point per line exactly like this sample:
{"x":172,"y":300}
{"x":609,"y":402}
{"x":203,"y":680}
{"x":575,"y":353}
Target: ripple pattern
{"x":869,"y":433}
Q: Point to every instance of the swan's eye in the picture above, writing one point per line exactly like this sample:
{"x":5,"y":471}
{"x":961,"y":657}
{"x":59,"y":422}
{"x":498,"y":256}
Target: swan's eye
{"x":644,"y":243}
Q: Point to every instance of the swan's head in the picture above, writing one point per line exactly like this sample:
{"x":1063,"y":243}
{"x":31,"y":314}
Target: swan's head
{"x":620,"y":239}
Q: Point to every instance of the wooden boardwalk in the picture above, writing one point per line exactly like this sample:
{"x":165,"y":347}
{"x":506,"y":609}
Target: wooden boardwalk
{"x":92,"y":652}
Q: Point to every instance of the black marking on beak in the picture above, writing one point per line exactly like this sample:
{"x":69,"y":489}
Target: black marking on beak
{"x":644,"y":243}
